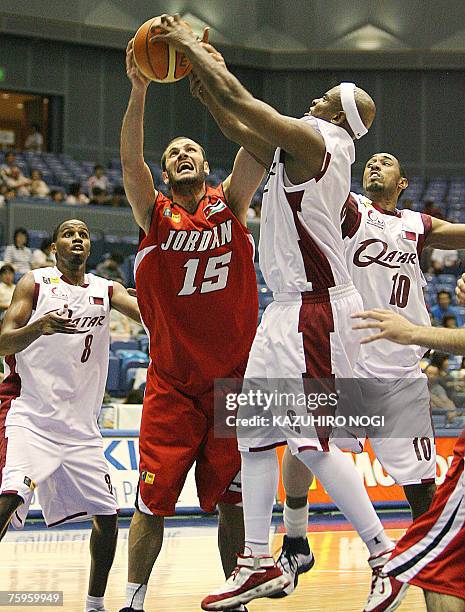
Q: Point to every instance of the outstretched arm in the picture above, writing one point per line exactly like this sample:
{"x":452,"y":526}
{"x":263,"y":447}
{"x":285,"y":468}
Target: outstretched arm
{"x":16,"y":333}
{"x":303,"y":143}
{"x":138,"y":181}
{"x":123,"y":302}
{"x":228,"y":123}
{"x":394,"y":327}
{"x":445,"y":235}
{"x":240,"y":186}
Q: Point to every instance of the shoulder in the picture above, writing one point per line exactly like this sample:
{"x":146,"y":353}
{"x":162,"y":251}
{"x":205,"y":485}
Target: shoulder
{"x":217,"y":192}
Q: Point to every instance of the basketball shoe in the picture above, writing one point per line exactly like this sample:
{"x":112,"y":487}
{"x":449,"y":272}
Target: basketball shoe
{"x":130,"y":610}
{"x":295,"y":558}
{"x":253,"y":577}
{"x":386,"y":593}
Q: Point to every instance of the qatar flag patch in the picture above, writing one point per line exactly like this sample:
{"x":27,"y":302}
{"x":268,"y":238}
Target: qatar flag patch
{"x":98,"y":301}
{"x":409,"y":236}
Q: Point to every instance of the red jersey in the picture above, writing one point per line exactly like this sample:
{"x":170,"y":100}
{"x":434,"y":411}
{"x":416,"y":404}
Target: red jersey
{"x":197,"y":291}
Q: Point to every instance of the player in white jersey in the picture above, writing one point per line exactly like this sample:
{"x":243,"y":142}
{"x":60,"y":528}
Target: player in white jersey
{"x":383,"y":246}
{"x":55,"y":338}
{"x":306,"y":332}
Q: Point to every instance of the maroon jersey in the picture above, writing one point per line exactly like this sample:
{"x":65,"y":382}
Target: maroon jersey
{"x":197,"y":291}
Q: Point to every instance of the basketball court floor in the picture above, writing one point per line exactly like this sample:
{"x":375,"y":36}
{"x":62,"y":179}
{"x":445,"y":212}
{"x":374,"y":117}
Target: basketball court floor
{"x":188,"y":567}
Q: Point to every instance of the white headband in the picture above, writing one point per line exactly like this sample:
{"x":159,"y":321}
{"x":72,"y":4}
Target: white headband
{"x":351,"y":110}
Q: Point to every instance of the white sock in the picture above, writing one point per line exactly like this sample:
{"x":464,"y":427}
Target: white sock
{"x":135,"y":595}
{"x":296,"y":521}
{"x":379,"y":544}
{"x":94,"y":603}
{"x":338,"y":475}
{"x":260,"y":475}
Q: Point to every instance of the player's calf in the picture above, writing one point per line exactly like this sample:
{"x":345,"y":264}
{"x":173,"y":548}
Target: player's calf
{"x":9,"y":503}
{"x":419,"y":497}
{"x":102,"y":551}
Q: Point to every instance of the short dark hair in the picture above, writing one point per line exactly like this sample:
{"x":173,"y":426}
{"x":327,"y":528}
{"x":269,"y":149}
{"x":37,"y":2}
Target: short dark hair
{"x":98,"y":167}
{"x":117,"y":257}
{"x":437,"y":359}
{"x":447,"y":317}
{"x":163,"y":157}
{"x":56,"y":231}
{"x":6,"y":268}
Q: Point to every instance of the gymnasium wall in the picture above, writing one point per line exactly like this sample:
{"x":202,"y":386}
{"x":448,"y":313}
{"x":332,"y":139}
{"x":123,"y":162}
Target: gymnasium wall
{"x":420,"y":111}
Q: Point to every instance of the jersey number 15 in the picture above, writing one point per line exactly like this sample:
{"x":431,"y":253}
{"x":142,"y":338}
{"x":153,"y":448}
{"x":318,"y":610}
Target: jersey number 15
{"x":214,"y":278}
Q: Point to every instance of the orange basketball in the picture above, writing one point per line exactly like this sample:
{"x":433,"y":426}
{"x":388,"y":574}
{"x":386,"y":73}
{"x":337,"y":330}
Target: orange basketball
{"x":157,"y":60}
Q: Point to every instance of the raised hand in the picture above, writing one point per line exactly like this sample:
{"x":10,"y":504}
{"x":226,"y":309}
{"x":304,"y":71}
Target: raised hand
{"x":460,"y":290}
{"x":138,"y":80}
{"x":173,"y":30}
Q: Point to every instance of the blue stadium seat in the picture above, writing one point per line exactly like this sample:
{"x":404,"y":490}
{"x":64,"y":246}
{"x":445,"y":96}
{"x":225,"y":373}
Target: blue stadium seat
{"x":128,"y":345}
{"x":144,"y":343}
{"x":113,"y":380}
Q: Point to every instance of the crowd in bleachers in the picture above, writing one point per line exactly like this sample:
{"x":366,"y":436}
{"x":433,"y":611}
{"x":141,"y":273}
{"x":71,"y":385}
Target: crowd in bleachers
{"x":33,"y":174}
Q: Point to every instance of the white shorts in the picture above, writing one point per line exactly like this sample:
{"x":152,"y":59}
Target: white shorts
{"x":301,"y":337}
{"x":72,"y":481}
{"x":407,"y":451}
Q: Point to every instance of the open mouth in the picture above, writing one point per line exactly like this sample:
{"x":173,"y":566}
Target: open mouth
{"x":78,"y":247}
{"x":185,"y":166}
{"x":375,"y":175}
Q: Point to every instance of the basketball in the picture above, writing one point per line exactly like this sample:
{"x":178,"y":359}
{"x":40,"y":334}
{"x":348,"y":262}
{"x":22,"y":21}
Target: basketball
{"x":157,"y":60}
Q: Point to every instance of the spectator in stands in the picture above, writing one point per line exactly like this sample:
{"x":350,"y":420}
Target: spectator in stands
{"x":18,"y":254}
{"x":444,"y":307}
{"x":9,"y":162}
{"x":76,"y":195}
{"x":441,"y":361}
{"x":98,"y":179}
{"x":429,"y":208}
{"x":7,"y":287}
{"x":110,"y":268}
{"x":443,"y":260}
{"x":118,"y":197}
{"x":439,"y":398}
{"x":17,"y":184}
{"x":57,"y":195}
{"x":39,"y":187}
{"x":35,"y":140}
{"x":99,"y":197}
{"x":43,"y":257}
{"x":449,"y":321}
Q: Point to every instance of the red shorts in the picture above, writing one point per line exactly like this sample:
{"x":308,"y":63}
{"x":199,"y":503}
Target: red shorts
{"x":431,"y":554}
{"x":176,"y":431}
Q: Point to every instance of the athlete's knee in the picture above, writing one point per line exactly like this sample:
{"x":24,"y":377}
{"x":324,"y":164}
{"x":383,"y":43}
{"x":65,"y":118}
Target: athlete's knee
{"x":227,"y":509}
{"x":420,"y":496}
{"x":106,"y":524}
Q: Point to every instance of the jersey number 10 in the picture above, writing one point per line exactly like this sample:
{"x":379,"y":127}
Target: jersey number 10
{"x":400,"y":290}
{"x":215,"y":276}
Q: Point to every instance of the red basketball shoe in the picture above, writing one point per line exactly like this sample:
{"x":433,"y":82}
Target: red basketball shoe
{"x":253,"y":577}
{"x":386,"y":593}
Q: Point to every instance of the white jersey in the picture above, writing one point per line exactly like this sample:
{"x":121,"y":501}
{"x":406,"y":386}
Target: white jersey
{"x":301,"y":248}
{"x":383,"y":250}
{"x":56,"y":384}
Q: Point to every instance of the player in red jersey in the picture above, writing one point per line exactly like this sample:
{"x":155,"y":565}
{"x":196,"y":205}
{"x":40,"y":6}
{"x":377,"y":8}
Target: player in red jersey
{"x":431,"y":553}
{"x":197,"y":294}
